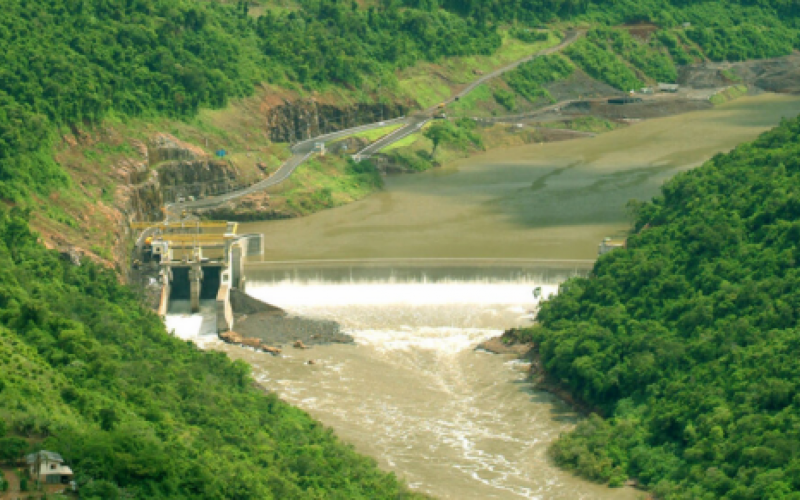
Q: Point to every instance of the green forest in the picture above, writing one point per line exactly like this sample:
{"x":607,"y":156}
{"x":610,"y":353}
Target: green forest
{"x":67,"y":63}
{"x":687,"y":340}
{"x":74,"y":62}
{"x":86,"y":370}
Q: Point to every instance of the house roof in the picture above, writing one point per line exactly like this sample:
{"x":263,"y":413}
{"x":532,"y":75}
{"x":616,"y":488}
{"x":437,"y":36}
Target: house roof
{"x":44,"y":455}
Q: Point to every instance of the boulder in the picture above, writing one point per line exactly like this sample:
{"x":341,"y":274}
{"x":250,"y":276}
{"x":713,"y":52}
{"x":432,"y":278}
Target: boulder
{"x":272,"y":350}
{"x":298,"y":344}
{"x":232,"y":337}
{"x":252,"y":342}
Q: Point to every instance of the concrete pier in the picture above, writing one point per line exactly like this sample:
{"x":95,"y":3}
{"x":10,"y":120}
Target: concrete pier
{"x":195,"y":286}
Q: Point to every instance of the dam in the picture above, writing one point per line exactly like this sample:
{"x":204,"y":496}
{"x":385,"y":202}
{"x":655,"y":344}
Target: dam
{"x":412,"y":391}
{"x":196,"y":261}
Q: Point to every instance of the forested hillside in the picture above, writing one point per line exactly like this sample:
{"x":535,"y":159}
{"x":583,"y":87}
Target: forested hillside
{"x":66,"y":62}
{"x":75,"y":62}
{"x":140,"y":414}
{"x":688,"y":340}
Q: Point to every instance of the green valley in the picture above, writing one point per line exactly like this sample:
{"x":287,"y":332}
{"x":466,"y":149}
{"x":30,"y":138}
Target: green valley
{"x":683,"y":344}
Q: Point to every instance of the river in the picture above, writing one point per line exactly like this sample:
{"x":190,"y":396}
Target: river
{"x":423,"y":271}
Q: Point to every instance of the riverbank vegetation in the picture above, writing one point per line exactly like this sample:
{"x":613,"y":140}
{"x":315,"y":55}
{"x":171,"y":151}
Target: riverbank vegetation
{"x":86,"y":371}
{"x":687,"y":339}
{"x":326,"y":183}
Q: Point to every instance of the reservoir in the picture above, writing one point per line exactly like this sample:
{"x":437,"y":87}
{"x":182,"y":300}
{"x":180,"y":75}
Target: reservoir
{"x":423,"y":271}
{"x":544,"y":201}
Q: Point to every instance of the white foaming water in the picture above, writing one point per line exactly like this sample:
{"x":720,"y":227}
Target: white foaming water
{"x":290,"y":293}
{"x":200,"y":328}
{"x":413,"y":311}
{"x":453,"y":422}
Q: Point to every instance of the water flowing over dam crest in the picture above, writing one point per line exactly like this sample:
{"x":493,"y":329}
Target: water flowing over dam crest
{"x":413,"y":393}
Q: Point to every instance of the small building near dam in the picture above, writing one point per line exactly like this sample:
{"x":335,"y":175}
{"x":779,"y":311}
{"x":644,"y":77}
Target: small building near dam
{"x":668,"y":87}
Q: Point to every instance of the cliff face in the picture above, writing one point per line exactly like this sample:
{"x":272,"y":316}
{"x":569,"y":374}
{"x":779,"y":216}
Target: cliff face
{"x":292,"y":121}
{"x":174,"y":169}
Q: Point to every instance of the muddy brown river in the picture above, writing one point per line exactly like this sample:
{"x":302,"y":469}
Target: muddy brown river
{"x":422,"y":272}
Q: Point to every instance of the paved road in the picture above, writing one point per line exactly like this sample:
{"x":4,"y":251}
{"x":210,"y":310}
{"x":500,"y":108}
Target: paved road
{"x":302,"y":151}
{"x":570,"y":37}
{"x":418,"y":120}
{"x":414,"y":124}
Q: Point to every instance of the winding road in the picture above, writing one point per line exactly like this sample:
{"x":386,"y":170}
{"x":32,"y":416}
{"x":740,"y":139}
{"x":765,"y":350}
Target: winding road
{"x":302,"y":151}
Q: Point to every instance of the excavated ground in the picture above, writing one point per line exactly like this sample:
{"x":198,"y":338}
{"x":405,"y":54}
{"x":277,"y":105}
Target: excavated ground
{"x":780,"y":74}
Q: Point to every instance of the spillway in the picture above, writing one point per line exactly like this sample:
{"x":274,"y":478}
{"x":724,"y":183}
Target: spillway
{"x":413,"y":392}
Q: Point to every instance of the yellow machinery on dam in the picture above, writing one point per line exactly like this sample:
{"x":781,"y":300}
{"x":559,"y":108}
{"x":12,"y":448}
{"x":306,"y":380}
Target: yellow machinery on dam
{"x":196,"y":260}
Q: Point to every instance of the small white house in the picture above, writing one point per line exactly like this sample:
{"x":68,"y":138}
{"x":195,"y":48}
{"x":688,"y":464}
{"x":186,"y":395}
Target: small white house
{"x":48,"y":467}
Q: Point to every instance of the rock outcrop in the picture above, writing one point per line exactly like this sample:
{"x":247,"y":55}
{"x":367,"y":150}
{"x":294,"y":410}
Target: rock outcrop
{"x":508,"y":343}
{"x":780,"y":74}
{"x":257,"y":344}
{"x":172,"y":169}
{"x":292,"y":121}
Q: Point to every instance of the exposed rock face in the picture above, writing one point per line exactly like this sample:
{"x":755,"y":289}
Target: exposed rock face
{"x":198,"y":177}
{"x":780,"y":74}
{"x":174,"y":169}
{"x":302,"y":119}
{"x":507,"y":343}
{"x":165,"y":147}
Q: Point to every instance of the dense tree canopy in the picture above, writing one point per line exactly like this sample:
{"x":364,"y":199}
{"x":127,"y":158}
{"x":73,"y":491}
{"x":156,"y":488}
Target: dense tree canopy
{"x":332,"y":41}
{"x":688,"y":339}
{"x":84,"y":366}
{"x":67,"y":62}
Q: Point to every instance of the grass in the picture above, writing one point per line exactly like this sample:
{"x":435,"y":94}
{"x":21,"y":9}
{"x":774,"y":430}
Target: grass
{"x":325,"y":182}
{"x":482,"y":95}
{"x":429,"y":84}
{"x":374,"y":134}
{"x":404,"y":142}
{"x":729,"y":94}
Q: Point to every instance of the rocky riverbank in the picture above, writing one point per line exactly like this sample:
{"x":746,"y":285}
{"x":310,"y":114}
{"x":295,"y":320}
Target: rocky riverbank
{"x":280,"y":330}
{"x":512,"y":342}
{"x":263,"y":325}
